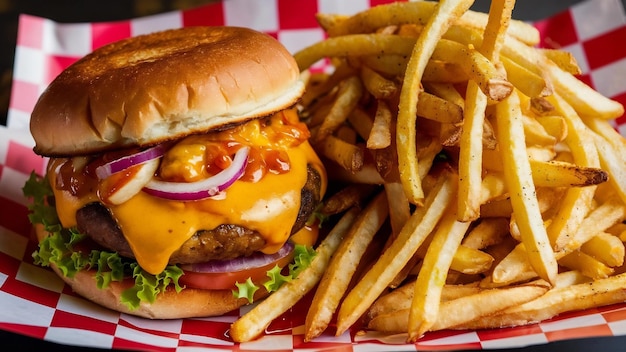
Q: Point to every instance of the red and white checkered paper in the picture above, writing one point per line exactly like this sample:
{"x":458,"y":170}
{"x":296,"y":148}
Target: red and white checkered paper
{"x":36,"y":303}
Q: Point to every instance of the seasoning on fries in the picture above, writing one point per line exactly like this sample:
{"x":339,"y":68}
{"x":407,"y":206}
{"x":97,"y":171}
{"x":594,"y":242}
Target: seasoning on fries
{"x":500,"y":174}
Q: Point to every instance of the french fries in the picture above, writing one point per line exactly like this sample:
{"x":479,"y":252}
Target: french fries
{"x":343,"y":266}
{"x":391,"y":262}
{"x":254,"y":322}
{"x":499,"y":181}
{"x":429,"y":284}
{"x":521,"y":187}
{"x":443,"y":16}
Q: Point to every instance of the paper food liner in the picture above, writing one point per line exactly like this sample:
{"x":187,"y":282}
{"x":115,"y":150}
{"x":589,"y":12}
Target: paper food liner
{"x":37,"y":303}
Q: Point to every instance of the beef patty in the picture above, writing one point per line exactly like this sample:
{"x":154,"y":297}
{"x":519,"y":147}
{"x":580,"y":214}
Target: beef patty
{"x":226,"y":241}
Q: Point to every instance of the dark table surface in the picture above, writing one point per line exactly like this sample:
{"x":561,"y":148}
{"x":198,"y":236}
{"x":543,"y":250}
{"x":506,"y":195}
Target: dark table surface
{"x":97,"y":10}
{"x":14,"y":342}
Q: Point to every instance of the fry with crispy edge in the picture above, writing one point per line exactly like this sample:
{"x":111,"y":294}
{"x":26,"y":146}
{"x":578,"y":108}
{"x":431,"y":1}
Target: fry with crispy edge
{"x":557,"y":300}
{"x":471,"y":147}
{"x":445,"y":14}
{"x":375,"y":281}
{"x":343,"y":265}
{"x":253,"y":323}
{"x":518,"y":177}
{"x":464,"y":309}
{"x":416,"y":12}
{"x":432,"y":276}
{"x":577,"y":201}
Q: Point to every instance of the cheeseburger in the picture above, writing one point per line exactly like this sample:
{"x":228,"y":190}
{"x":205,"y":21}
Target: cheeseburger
{"x":180,"y":181}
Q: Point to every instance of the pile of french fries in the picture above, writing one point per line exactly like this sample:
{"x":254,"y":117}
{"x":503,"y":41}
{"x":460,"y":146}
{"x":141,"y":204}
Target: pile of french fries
{"x":482,"y":184}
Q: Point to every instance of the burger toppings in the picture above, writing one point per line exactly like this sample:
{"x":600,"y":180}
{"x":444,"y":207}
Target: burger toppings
{"x":67,"y":250}
{"x":273,"y":145}
{"x":118,"y":189}
{"x":241,"y":264}
{"x":125,"y":162}
{"x":206,"y":188}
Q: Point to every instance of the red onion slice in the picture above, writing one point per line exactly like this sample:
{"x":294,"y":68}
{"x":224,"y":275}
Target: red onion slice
{"x":255,"y":260}
{"x":123,"y":163}
{"x":212,"y":186}
{"x":136,"y":183}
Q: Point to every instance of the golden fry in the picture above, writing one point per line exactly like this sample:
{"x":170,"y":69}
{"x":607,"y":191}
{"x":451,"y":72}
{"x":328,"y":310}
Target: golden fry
{"x":380,"y":134}
{"x":391,"y":261}
{"x":350,"y":91}
{"x":348,"y":156}
{"x":253,"y":323}
{"x":438,"y":109}
{"x":577,"y":201}
{"x":563,"y":174}
{"x":470,"y":154}
{"x":444,"y":16}
{"x":527,"y":81}
{"x":343,"y":265}
{"x":555,"y":301}
{"x":564,"y":59}
{"x":370,"y":20}
{"x":519,"y":181}
{"x":470,"y":261}
{"x":420,"y":90}
{"x":431,"y":278}
{"x":586,"y":264}
{"x":446,"y":91}
{"x":464,"y":309}
{"x":351,"y":45}
{"x":614,"y":164}
{"x":376,"y":84}
{"x":606,"y":248}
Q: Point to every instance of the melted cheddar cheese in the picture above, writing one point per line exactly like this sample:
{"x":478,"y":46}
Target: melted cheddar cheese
{"x":156,"y":227}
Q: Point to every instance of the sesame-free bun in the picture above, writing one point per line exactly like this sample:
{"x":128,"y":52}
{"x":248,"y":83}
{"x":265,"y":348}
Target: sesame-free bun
{"x":170,"y":304}
{"x":162,"y":86}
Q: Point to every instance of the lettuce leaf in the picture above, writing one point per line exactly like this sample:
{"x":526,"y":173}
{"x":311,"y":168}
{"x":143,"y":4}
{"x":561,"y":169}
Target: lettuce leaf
{"x":59,"y":249}
{"x":148,"y":286}
{"x":301,"y":260}
{"x":246,"y":290}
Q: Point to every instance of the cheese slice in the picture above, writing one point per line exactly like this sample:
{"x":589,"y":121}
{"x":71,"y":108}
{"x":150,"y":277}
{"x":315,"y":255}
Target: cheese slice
{"x":155,"y":227}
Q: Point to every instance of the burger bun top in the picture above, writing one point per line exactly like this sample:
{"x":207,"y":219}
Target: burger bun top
{"x":163,"y":86}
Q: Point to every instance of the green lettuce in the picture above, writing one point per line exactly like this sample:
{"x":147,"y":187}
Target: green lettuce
{"x":302,"y":259}
{"x":59,"y":248}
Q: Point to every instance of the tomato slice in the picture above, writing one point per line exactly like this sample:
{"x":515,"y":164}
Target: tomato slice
{"x":227,"y":280}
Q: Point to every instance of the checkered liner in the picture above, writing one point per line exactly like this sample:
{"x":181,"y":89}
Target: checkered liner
{"x":36,"y":303}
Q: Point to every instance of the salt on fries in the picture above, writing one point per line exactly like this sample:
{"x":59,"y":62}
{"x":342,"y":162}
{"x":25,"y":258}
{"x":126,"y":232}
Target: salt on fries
{"x":489,"y":171}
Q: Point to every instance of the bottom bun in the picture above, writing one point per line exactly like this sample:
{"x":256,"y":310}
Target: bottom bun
{"x":170,"y":304}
